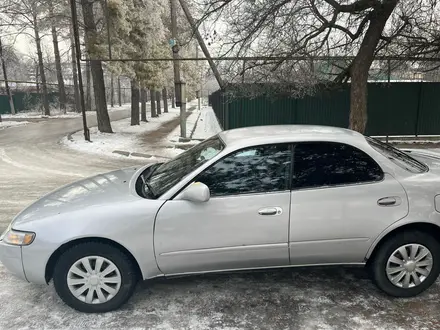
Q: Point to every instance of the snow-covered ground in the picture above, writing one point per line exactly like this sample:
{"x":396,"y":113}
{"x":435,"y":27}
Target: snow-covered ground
{"x":56,"y":113}
{"x":200,"y":125}
{"x":207,"y":125}
{"x":124,"y":138}
{"x":7,"y":123}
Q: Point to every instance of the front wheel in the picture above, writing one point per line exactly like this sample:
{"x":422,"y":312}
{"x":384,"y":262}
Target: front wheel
{"x":94,"y":277}
{"x":407,"y":264}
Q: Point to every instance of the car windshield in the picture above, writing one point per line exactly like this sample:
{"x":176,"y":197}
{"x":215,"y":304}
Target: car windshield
{"x":398,"y":157}
{"x":168,"y":174}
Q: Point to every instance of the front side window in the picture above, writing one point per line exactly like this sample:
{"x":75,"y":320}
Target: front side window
{"x":164,"y":176}
{"x":258,"y":169}
{"x":321,"y":164}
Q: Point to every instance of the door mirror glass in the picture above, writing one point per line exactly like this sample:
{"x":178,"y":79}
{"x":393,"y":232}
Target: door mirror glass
{"x":196,"y":192}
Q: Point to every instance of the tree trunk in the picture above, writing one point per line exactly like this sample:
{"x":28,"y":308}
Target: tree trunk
{"x":134,"y":103}
{"x":158,"y":97}
{"x":56,"y":51}
{"x":119,"y":92}
{"x":153,"y":103}
{"x":5,"y":76}
{"x":173,"y":100}
{"x":112,"y":91}
{"x":88,"y":87}
{"x":74,"y":71}
{"x":144,"y":104}
{"x":362,"y":63}
{"x":165,"y":99}
{"x":41,"y":67}
{"x":103,"y":118}
{"x":37,"y":78}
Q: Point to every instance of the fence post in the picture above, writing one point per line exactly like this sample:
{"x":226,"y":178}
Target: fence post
{"x":226,"y":115}
{"x":388,"y":94}
{"x":419,"y":102}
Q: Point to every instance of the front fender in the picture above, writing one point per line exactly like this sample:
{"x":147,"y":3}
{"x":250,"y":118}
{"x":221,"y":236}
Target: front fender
{"x":130,"y":224}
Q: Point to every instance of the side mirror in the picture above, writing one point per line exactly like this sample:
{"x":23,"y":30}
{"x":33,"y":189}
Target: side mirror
{"x":197,"y":192}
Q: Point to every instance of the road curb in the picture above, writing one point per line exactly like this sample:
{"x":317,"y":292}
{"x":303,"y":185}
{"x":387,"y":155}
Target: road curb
{"x":136,"y":154}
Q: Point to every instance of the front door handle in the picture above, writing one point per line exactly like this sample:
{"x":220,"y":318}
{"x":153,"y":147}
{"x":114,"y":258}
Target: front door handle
{"x":389,"y":201}
{"x":271,"y":211}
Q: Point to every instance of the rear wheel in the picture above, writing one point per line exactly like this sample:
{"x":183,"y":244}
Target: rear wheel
{"x":407,"y":264}
{"x":94,"y":277}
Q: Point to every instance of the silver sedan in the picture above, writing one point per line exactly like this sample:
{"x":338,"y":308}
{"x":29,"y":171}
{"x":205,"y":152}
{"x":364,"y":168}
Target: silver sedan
{"x":261,"y":197}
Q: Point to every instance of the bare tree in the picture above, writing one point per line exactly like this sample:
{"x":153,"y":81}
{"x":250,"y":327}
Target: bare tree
{"x":88,"y":75}
{"x":359,"y":29}
{"x":92,"y":36}
{"x":119,"y":92}
{"x":158,"y":98}
{"x":5,"y":77}
{"x":144,"y":104}
{"x":74,"y":71}
{"x":112,"y":91}
{"x":165,"y":99}
{"x":135,"y":99}
{"x":153,"y":103}
{"x":56,"y":50}
{"x":27,"y":15}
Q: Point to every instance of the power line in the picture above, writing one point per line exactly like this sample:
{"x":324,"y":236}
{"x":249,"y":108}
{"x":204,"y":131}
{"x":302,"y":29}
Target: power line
{"x":266,"y":58}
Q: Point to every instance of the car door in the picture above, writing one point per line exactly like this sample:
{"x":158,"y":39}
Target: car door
{"x":341,"y":201}
{"x":243,"y":225}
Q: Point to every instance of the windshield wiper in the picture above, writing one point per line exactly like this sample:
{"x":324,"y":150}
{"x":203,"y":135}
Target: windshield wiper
{"x":150,"y":189}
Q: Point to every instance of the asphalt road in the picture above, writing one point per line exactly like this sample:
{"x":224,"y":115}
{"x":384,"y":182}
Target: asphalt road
{"x":32,"y":162}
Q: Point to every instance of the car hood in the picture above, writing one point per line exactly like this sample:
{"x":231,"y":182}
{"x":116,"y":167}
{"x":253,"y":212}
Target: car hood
{"x":97,"y":191}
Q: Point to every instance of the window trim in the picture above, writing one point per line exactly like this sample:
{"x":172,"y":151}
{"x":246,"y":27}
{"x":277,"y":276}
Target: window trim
{"x":288,"y":184}
{"x":335,"y":185}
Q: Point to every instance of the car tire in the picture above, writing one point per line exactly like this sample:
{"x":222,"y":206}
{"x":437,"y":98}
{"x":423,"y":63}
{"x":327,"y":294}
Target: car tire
{"x":384,"y":270}
{"x":114,"y":288}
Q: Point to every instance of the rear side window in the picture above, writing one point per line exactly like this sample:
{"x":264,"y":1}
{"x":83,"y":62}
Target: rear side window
{"x":321,"y":164}
{"x":398,"y":157}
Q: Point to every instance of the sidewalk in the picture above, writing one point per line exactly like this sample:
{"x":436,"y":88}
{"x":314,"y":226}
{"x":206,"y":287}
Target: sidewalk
{"x":156,"y":142}
{"x":147,"y":140}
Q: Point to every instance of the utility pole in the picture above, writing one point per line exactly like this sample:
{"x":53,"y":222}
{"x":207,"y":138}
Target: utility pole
{"x":199,"y":97}
{"x":5,"y":75}
{"x":179,"y":85}
{"x":202,"y":44}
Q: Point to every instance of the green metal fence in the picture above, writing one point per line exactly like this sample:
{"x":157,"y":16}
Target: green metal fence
{"x":24,"y":101}
{"x":401,"y":108}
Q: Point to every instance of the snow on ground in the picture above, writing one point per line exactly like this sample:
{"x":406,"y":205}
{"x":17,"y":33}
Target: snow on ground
{"x":191,"y":121}
{"x":200,"y":125}
{"x":124,"y":138}
{"x":6,"y":123}
{"x":207,"y":125}
{"x":56,"y":113}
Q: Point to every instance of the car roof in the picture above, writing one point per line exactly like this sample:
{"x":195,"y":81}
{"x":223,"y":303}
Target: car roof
{"x":288,"y":133}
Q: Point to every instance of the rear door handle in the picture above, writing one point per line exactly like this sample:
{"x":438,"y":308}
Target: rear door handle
{"x":271,"y":211}
{"x":389,"y":201}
